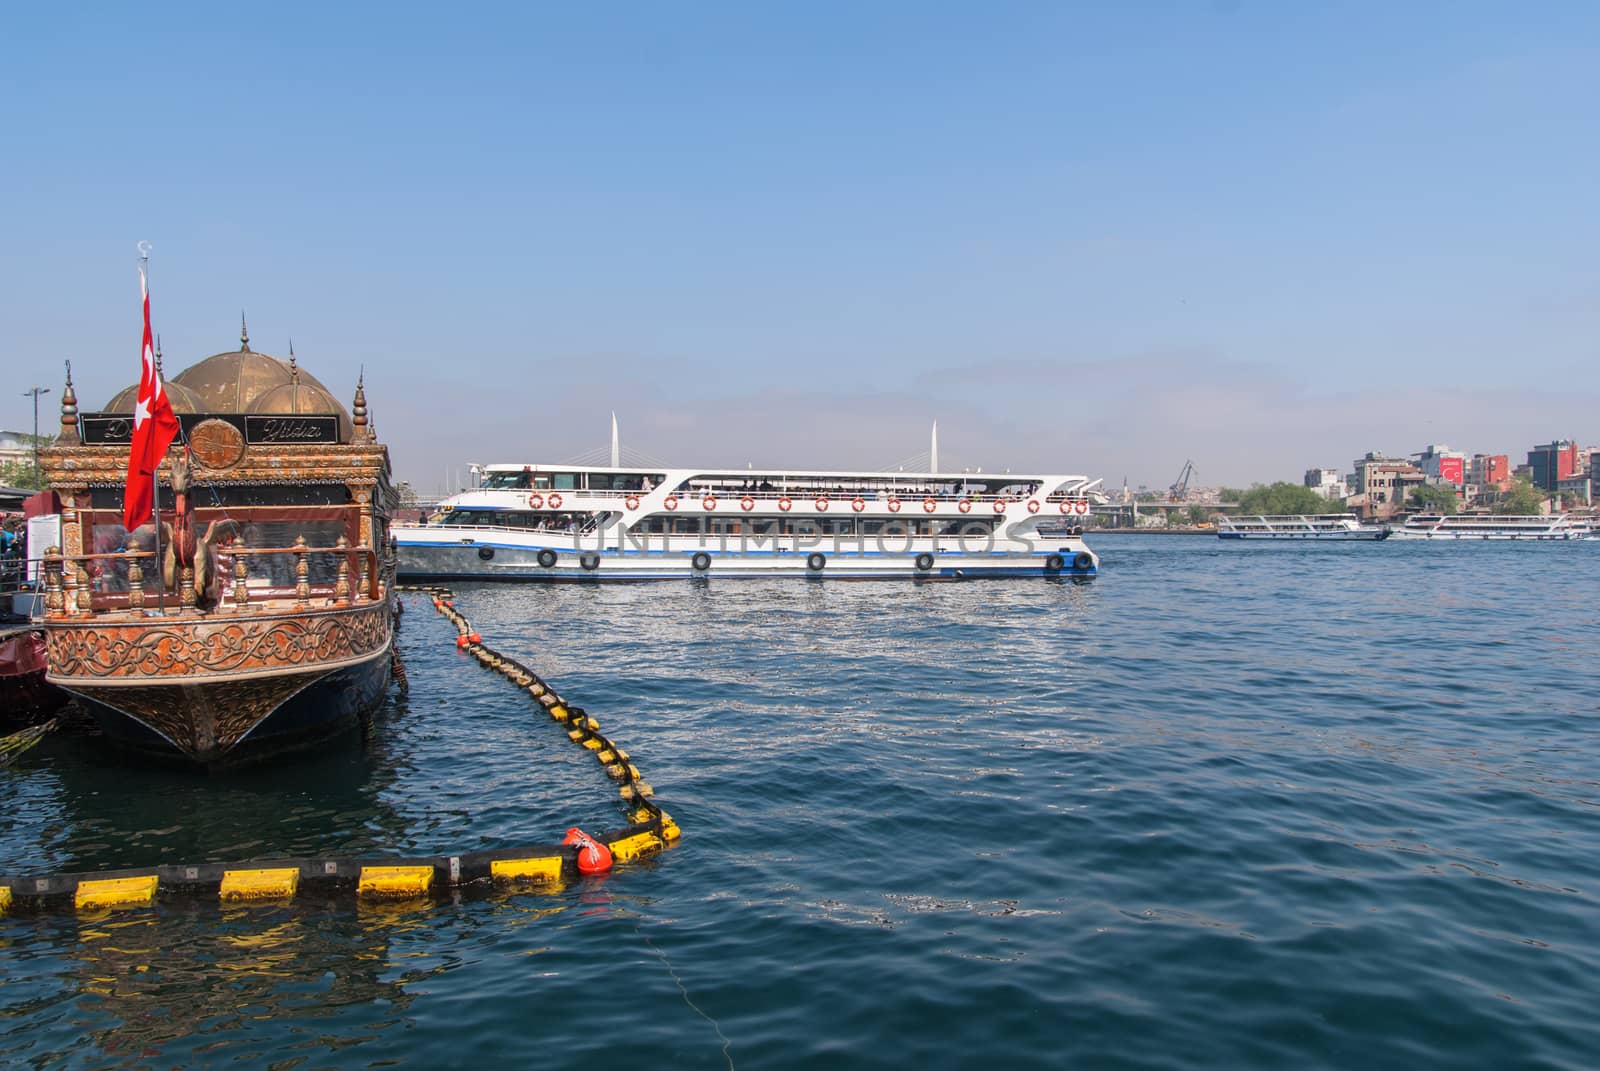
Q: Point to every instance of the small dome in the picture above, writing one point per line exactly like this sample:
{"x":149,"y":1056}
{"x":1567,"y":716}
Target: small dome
{"x":303,"y":399}
{"x":181,"y":398}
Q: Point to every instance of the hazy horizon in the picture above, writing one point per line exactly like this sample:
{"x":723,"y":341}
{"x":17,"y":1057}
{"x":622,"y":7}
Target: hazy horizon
{"x":1105,"y":241}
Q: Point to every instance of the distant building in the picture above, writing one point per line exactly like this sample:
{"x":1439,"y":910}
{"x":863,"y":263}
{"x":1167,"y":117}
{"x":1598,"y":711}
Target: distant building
{"x":1326,"y":482}
{"x":1578,"y":485}
{"x":1488,"y":471}
{"x":1443,"y":465}
{"x":1553,"y":462}
{"x":16,"y":446}
{"x":1382,"y":484}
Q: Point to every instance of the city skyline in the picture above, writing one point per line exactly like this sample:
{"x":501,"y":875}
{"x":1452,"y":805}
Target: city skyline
{"x":1094,"y":240}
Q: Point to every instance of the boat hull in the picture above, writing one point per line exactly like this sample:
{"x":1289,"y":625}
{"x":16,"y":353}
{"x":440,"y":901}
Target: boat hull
{"x":1346,"y":537}
{"x":222,"y":691}
{"x":554,"y":562}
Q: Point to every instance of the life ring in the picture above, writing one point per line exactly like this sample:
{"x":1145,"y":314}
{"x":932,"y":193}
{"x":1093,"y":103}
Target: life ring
{"x":589,"y":560}
{"x":1082,"y":507}
{"x":965,"y":505}
{"x":894,"y":505}
{"x":747,"y":503}
{"x":700,"y":562}
{"x":858,"y":504}
{"x":1066,"y":507}
{"x":1055,"y":563}
{"x":547,"y":559}
{"x":784,"y":504}
{"x":632,"y":501}
{"x":822,"y":503}
{"x":1000,"y":505}
{"x":924,"y":562}
{"x":536,"y":502}
{"x":929,"y":505}
{"x":1033,"y":505}
{"x":671,"y":503}
{"x":485,"y":553}
{"x":709,"y":502}
{"x":1082,"y":560}
{"x":554,"y":500}
{"x":816,"y":561}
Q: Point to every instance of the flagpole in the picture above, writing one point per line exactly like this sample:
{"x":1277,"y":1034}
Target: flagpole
{"x":155,"y":474}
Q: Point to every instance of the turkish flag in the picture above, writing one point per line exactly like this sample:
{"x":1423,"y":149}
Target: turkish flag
{"x":154,"y":428}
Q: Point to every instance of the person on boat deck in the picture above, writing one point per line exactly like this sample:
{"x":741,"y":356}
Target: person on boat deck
{"x":646,"y":484}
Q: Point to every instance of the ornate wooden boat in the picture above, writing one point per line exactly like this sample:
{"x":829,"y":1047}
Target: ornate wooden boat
{"x":271,"y":630}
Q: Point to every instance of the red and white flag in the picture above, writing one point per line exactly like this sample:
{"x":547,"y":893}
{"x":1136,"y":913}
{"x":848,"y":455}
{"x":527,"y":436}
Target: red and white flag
{"x":154,"y":428}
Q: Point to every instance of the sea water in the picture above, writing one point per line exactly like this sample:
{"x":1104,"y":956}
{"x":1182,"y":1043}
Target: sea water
{"x":1226,"y":806}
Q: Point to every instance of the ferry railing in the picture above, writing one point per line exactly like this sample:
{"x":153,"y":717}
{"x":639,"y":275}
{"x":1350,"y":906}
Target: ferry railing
{"x":79,"y":584}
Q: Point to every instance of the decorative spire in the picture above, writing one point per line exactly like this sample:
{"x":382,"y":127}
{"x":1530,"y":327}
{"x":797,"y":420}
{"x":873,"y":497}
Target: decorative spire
{"x":244,"y":334}
{"x":69,"y":411}
{"x":158,"y":356}
{"x":358,"y":415}
{"x":294,"y":367}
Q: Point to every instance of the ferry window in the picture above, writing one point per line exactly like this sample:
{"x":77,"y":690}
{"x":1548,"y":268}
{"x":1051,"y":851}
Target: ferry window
{"x":600,"y":481}
{"x":686,"y":525}
{"x":564,"y":481}
{"x":512,"y":480}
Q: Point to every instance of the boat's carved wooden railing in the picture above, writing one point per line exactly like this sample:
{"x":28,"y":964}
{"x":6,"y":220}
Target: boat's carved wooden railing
{"x":362,"y":574}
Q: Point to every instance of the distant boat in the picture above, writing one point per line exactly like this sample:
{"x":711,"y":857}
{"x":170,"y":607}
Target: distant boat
{"x":1318,"y":526}
{"x":567,"y":522}
{"x":1478,"y":526}
{"x":225,"y":650}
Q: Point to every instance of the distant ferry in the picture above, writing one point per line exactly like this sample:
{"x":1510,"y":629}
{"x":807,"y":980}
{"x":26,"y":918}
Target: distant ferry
{"x":1298,"y":526}
{"x":566,"y":522}
{"x":1558,"y":526}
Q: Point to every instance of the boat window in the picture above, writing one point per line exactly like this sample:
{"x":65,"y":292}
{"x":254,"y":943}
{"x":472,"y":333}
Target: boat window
{"x":564,"y":481}
{"x":507,"y":480}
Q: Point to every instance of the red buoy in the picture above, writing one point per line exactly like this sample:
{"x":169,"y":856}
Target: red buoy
{"x":474,"y":637}
{"x":593,"y":857}
{"x":461,"y":641}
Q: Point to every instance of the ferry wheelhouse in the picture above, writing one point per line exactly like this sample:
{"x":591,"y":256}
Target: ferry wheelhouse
{"x":539,"y":522}
{"x":1299,"y":526}
{"x":1556,"y":527}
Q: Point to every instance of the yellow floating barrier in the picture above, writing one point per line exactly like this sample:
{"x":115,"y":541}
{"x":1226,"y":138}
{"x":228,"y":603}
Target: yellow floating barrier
{"x":394,"y":882}
{"x":633,"y":847}
{"x":278,"y":884}
{"x":116,"y":892}
{"x":540,"y":870}
{"x":5,"y":899}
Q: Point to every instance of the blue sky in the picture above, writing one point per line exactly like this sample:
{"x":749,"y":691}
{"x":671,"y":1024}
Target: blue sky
{"x":1104,"y":238}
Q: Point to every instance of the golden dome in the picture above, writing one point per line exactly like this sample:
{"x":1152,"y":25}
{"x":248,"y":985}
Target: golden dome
{"x":243,"y":381}
{"x":181,"y":398}
{"x":303,"y":398}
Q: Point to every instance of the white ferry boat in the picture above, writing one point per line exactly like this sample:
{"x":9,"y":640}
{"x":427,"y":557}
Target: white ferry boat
{"x":1557,"y":526}
{"x":1298,"y":526}
{"x":566,"y":522}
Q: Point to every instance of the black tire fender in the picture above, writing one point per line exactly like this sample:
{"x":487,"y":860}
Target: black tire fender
{"x":547,"y":559}
{"x":924,"y":562}
{"x":701,"y":561}
{"x":816,"y":561}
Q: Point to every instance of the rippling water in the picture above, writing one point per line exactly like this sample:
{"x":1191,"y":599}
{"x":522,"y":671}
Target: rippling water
{"x":1226,"y":806}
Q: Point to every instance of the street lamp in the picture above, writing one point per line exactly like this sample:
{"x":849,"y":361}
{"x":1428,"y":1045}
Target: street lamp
{"x":36,"y":391}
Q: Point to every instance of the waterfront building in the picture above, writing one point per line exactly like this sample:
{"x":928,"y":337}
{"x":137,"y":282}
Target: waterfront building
{"x":1382,"y":483}
{"x":1579,"y":486}
{"x":1328,"y":483}
{"x":1443,"y":465}
{"x":1553,"y":462}
{"x":1489,"y":472}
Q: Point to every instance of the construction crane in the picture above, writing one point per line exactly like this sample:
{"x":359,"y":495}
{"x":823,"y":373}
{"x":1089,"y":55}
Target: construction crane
{"x":1180,"y":487}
